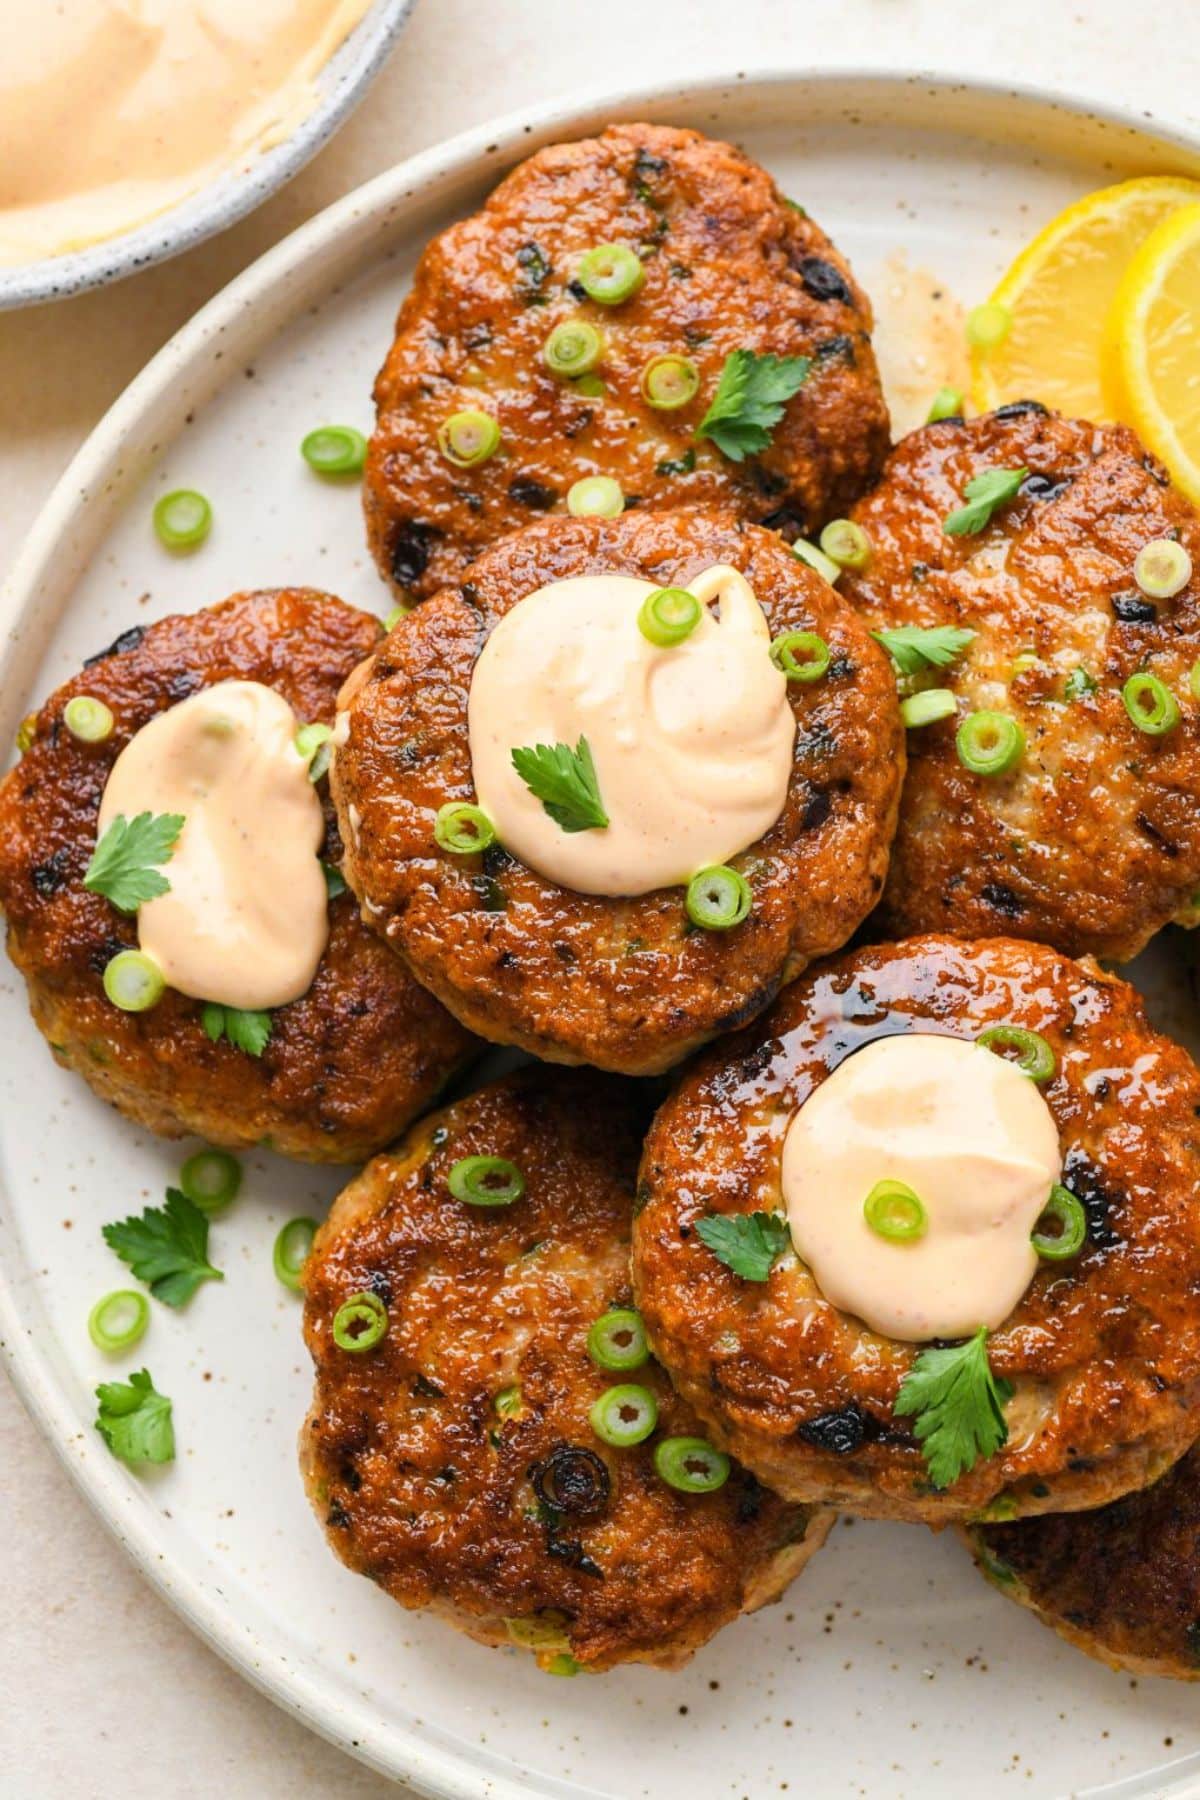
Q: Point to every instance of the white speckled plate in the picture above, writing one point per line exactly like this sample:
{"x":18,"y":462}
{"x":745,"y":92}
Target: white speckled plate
{"x":341,"y":84}
{"x":890,"y":1669}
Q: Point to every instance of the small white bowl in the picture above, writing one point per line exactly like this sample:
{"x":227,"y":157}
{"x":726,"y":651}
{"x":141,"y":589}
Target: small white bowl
{"x":341,"y":84}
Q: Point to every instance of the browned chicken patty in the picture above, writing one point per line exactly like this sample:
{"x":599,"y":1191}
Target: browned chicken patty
{"x":349,"y":1064}
{"x":1121,"y":1583}
{"x":625,"y":984}
{"x":454,"y":1462}
{"x":729,"y":265}
{"x":1103,"y":1351}
{"x":1092,"y":841}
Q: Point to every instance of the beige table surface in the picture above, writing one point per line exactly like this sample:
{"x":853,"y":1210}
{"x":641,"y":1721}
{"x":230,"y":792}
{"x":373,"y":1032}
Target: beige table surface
{"x":102,"y":1690}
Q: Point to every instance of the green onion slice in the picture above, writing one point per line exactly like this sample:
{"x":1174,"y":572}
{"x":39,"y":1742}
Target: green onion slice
{"x":1194,"y":680}
{"x":119,"y":1321}
{"x":1150,"y":704}
{"x":486,"y":1181}
{"x":610,"y":273}
{"x":182,"y":519}
{"x":508,"y":1401}
{"x":211,"y":1180}
{"x":1034,"y":1056}
{"x":469,"y":438}
{"x":291,"y":1251}
{"x":617,"y":1340}
{"x":718,"y":898}
{"x":894,"y":1211}
{"x":927,"y":707}
{"x":595,"y":497}
{"x":133,"y":981}
{"x":1162,"y":568}
{"x":668,"y":615}
{"x":360,"y":1322}
{"x":624,"y":1416}
{"x":669,"y":382}
{"x":334,"y":450}
{"x":989,"y":743}
{"x":573,"y":348}
{"x":1062,"y":1227}
{"x":88,"y":720}
{"x":801,"y":655}
{"x":393,"y":618}
{"x":462,"y":829}
{"x":846,"y":544}
{"x":315,"y":744}
{"x":816,"y":559}
{"x":988,"y":325}
{"x":691,"y":1464}
{"x":947,"y":403}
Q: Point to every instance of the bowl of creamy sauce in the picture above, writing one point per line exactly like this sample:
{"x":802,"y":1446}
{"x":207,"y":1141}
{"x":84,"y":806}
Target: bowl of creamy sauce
{"x":132,"y":129}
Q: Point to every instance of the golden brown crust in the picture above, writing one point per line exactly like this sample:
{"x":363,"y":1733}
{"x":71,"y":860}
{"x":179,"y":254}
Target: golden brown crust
{"x":624,"y":984}
{"x":1103,"y":1351}
{"x":1093,"y":842}
{"x":351,"y":1062}
{"x":729,"y":265}
{"x":1122,"y":1583}
{"x":425,"y":1487}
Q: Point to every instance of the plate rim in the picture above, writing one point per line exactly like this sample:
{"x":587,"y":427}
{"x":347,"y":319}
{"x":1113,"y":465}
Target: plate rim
{"x":437,"y":1770}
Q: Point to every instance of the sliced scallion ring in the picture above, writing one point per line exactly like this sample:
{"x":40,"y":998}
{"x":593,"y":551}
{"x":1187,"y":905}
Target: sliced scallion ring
{"x":573,"y":348}
{"x":894,"y":1211}
{"x":315,"y":744}
{"x":718,"y":898}
{"x":624,"y":1416}
{"x":508,"y":1401}
{"x":947,"y":403}
{"x":691,"y":1464}
{"x":119,"y":1321}
{"x":133,"y":981}
{"x":801,"y":655}
{"x":462,"y":829}
{"x":1034,"y":1056}
{"x":486,"y":1181}
{"x":211,"y":1179}
{"x":617,"y":1340}
{"x":1150,"y":704}
{"x":927,"y":707}
{"x":468,"y":438}
{"x":291,"y":1251}
{"x":846,"y":544}
{"x":668,"y":615}
{"x":669,"y":382}
{"x":182,"y":519}
{"x":392,"y":619}
{"x":1067,"y":1222}
{"x":88,"y":720}
{"x":360,"y":1322}
{"x":1162,"y":568}
{"x":816,"y":560}
{"x":595,"y":497}
{"x":989,"y":743}
{"x":334,"y":450}
{"x":610,"y":274}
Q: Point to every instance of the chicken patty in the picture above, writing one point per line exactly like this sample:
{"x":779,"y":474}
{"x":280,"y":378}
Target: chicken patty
{"x":1102,"y":1351}
{"x":1090,"y":841}
{"x":729,"y":265}
{"x":349,"y":1064}
{"x":626,"y":984}
{"x":1121,"y":1583}
{"x":455,"y":1462}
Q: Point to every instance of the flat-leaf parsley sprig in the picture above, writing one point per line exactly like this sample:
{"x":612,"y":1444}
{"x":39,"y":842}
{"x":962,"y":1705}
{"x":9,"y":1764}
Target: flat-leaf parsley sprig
{"x":564,"y":780}
{"x":125,"y":863}
{"x":957,"y":1406}
{"x":985,"y":494}
{"x":748,"y":404}
{"x":747,"y":1243}
{"x":134,"y":1420}
{"x":166,"y":1247}
{"x":914,"y":648}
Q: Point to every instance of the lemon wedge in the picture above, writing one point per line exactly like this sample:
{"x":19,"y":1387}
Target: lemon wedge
{"x":1059,"y":292}
{"x":1151,"y":347}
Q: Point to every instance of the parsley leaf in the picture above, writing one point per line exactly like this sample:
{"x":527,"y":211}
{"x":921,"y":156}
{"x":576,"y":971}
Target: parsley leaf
{"x":986,"y":493}
{"x":248,"y":1031}
{"x":747,"y":1243}
{"x":750,"y":399}
{"x":135,"y":1420}
{"x":958,"y":1406}
{"x":123,"y":863}
{"x":1078,"y":683}
{"x":564,"y":780}
{"x":167,"y":1248}
{"x":916,"y":647}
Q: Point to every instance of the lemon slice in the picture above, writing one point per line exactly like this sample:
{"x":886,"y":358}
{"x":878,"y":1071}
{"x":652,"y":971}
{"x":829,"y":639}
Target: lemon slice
{"x":1151,"y":349}
{"x":1059,"y":292}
